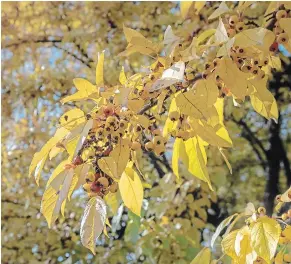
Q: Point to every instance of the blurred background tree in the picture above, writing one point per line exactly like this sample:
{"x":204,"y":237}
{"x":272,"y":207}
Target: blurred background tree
{"x":44,"y":46}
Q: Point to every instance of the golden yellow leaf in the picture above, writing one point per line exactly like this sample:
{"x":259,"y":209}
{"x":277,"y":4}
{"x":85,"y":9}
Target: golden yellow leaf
{"x":85,"y":89}
{"x":204,"y":256}
{"x":265,"y":233}
{"x":122,"y":77}
{"x":60,"y":134}
{"x":108,"y":166}
{"x":72,"y":118}
{"x":120,"y":154}
{"x":185,"y":7}
{"x":199,"y":101}
{"x":196,"y":164}
{"x":179,"y":152}
{"x":223,"y":8}
{"x":55,"y":194}
{"x":262,"y":99}
{"x":220,"y":227}
{"x":234,"y":79}
{"x":228,"y":243}
{"x":131,"y":190}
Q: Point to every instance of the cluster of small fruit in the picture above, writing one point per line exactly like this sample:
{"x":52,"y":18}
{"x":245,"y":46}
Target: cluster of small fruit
{"x":234,"y":25}
{"x":182,"y":127}
{"x":281,"y":36}
{"x":99,"y":185}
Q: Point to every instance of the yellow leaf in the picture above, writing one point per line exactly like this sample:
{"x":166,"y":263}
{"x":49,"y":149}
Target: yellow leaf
{"x":234,"y":79}
{"x":185,"y":7}
{"x":265,"y":233}
{"x":85,"y":89}
{"x":131,"y":190}
{"x":38,"y":169}
{"x":199,"y":101}
{"x":179,"y":152}
{"x":260,"y":38}
{"x":60,"y":134}
{"x":108,"y":166}
{"x":262,"y":99}
{"x":72,"y":118}
{"x":204,"y":256}
{"x":122,"y":77}
{"x":135,"y":104}
{"x":205,"y":35}
{"x":169,"y":125}
{"x":196,"y":164}
{"x":279,"y":259}
{"x":199,"y":6}
{"x":228,"y":243}
{"x":219,"y":138}
{"x":93,"y":222}
{"x":120,"y":154}
{"x":99,"y":69}
{"x":221,"y":226}
{"x":54,"y":197}
{"x":223,"y":8}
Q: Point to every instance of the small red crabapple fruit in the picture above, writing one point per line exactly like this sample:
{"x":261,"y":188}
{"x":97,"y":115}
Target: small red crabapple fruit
{"x":78,"y":161}
{"x":274,"y":47}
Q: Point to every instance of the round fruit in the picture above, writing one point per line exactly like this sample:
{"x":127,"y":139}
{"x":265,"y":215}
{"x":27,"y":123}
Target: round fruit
{"x":108,"y":110}
{"x":174,"y":116}
{"x":99,"y":132}
{"x":255,"y":70}
{"x":95,"y":187}
{"x":281,"y":14}
{"x":233,"y":20}
{"x":282,"y":38}
{"x":149,"y":146}
{"x":240,"y":26}
{"x":278,"y":198}
{"x":90,"y":177}
{"x":158,"y":140}
{"x":87,"y":186}
{"x":274,"y":47}
{"x":113,"y":187}
{"x":122,"y":124}
{"x":262,"y":210}
{"x":284,"y":216}
{"x":135,"y":145}
{"x":240,"y":51}
{"x":246,"y":68}
{"x":78,"y":160}
{"x":103,"y":181}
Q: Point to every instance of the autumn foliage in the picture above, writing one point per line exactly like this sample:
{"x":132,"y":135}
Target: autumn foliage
{"x":174,"y":106}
